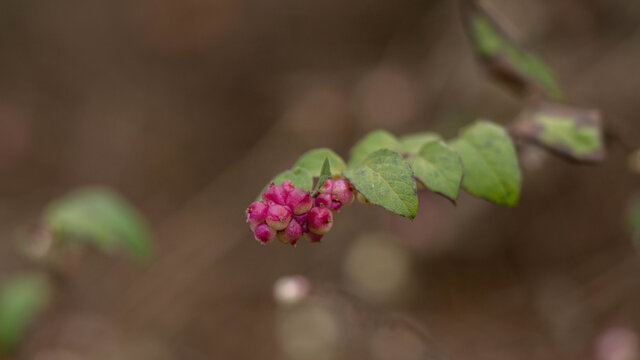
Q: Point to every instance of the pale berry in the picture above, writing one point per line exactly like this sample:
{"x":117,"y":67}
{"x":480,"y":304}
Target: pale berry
{"x":342,"y":192}
{"x":326,"y":187}
{"x":278,"y":217}
{"x":299,"y":201}
{"x":275,"y":194}
{"x":324,"y":200}
{"x":320,"y":220}
{"x":264,"y":233}
{"x":291,"y":234}
{"x":256,"y":213}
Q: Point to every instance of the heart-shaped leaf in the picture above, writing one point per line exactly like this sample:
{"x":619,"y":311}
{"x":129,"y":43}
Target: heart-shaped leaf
{"x":490,"y":163}
{"x":386,"y":179}
{"x":438,"y":168}
{"x":375,"y":140}
{"x":313,"y":161}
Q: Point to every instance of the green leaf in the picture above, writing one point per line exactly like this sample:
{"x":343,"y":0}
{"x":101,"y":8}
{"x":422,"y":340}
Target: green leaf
{"x":372,"y":142}
{"x":633,"y":220}
{"x":490,"y":163}
{"x":300,"y":178}
{"x":313,"y":161}
{"x":438,"y":167}
{"x":504,"y":58}
{"x":325,"y":174}
{"x":22,"y":298}
{"x":99,"y":216}
{"x":385,"y":179}
{"x":412,"y":143}
{"x":572,"y":132}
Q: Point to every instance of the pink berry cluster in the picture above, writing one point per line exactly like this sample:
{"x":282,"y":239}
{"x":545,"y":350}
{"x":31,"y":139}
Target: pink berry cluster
{"x":288,"y":213}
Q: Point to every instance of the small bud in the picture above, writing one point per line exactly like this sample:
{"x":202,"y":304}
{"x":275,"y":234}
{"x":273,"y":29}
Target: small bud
{"x":320,"y":220}
{"x":291,"y":234}
{"x":362,"y":199}
{"x":324,"y":200}
{"x":326,"y":187}
{"x":299,"y":201}
{"x":275,"y":194}
{"x":342,"y":192}
{"x":288,"y":186}
{"x":256,"y":214}
{"x":264,"y":233}
{"x":278,"y":217}
{"x":313,"y":238}
{"x":335,"y":206}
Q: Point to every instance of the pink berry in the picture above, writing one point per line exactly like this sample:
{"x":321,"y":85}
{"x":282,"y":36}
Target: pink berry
{"x":326,"y":187}
{"x":320,"y":220}
{"x":264,"y":233}
{"x":275,"y":194}
{"x":342,"y":192}
{"x":278,"y":217}
{"x":301,"y":219}
{"x":288,"y":186}
{"x":299,"y":201}
{"x":291,"y":234}
{"x":335,"y":206}
{"x":314,"y":238}
{"x":256,"y":213}
{"x":324,"y":200}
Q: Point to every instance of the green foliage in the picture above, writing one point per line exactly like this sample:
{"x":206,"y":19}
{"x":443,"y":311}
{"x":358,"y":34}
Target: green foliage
{"x":490,"y":163}
{"x":438,"y":167}
{"x":372,"y":142}
{"x":572,"y":132}
{"x":325,"y":174}
{"x":633,"y":221}
{"x":313,"y":161}
{"x":505,"y":59}
{"x":412,"y":143}
{"x":22,"y":299}
{"x":386,"y":179}
{"x":101,"y":217}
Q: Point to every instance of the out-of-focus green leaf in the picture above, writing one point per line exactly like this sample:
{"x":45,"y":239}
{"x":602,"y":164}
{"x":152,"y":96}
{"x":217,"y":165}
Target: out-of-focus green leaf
{"x":572,"y":132}
{"x":490,"y":163}
{"x":313,"y":161}
{"x":438,"y":167}
{"x":325,"y":174}
{"x":633,"y":220}
{"x":412,"y":143}
{"x":386,"y":180}
{"x":372,"y":142}
{"x":504,"y":58}
{"x":99,"y":216}
{"x":22,"y":298}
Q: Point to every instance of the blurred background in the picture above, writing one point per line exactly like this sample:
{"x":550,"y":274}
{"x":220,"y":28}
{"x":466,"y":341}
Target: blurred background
{"x":188,"y":107}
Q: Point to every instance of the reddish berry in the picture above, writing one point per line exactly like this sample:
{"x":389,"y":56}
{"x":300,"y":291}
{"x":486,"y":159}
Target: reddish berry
{"x":314,"y":238}
{"x":256,"y":213}
{"x":301,"y":219}
{"x":326,"y":187}
{"x":342,"y":192}
{"x":299,"y":201}
{"x":335,"y":206}
{"x":264,"y":233}
{"x":278,"y":217}
{"x":288,"y":186}
{"x":275,"y":194}
{"x":324,"y":200}
{"x":291,"y":234}
{"x":320,"y":220}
